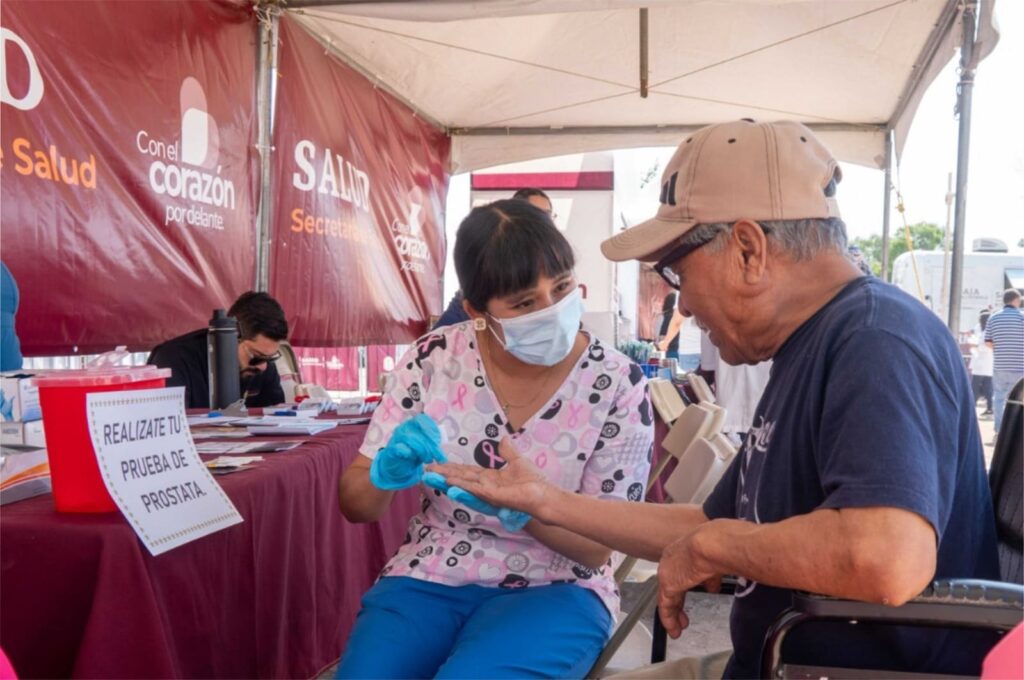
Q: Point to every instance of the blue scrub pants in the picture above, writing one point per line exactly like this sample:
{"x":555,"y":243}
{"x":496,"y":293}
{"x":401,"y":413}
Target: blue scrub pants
{"x":410,"y":628}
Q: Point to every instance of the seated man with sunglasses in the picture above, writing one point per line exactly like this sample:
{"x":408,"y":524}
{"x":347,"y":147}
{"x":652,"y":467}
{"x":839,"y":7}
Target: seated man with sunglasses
{"x":261,"y":328}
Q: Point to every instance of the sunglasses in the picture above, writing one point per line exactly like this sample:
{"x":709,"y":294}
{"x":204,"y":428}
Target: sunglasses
{"x":664,"y":265}
{"x":257,"y":359}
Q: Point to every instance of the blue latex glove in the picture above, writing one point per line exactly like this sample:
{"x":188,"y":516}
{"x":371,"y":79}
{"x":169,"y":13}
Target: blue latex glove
{"x":512,"y":520}
{"x":414,"y":443}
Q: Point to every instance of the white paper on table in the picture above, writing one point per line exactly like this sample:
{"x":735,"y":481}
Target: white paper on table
{"x":208,"y":421}
{"x":245,"y":447}
{"x":299,"y":428}
{"x":150,"y":466}
{"x":232,"y":461}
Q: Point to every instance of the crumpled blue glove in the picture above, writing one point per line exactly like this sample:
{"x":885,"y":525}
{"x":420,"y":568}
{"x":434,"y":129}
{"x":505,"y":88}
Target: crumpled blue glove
{"x":511,"y":520}
{"x":414,"y":443}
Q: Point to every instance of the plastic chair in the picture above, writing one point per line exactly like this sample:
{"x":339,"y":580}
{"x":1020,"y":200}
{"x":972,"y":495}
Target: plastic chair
{"x":968,"y":603}
{"x":699,"y":469}
{"x":666,"y":399}
{"x":701,"y":389}
{"x":697,"y":420}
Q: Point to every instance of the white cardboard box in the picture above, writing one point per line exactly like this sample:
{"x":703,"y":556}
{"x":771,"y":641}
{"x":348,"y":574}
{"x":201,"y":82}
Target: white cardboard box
{"x":23,"y":434}
{"x":19,"y":398}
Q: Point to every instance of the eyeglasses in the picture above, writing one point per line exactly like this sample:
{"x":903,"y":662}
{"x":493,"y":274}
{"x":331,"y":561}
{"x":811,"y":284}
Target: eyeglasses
{"x":257,"y":359}
{"x":664,"y":265}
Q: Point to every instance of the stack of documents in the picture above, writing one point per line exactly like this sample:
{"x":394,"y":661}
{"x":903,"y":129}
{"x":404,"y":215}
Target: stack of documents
{"x":284,"y":425}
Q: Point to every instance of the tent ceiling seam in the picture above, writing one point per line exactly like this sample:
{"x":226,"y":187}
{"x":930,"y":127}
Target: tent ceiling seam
{"x":800,"y":115}
{"x":780,"y":42}
{"x":470,"y":50}
{"x":624,"y":129}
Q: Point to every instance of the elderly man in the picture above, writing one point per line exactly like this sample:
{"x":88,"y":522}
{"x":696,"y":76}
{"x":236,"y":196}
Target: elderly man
{"x":850,"y":483}
{"x":261,"y":328}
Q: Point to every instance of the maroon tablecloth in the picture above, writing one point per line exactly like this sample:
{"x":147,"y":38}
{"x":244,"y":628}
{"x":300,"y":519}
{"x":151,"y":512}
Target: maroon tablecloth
{"x":275,"y":596}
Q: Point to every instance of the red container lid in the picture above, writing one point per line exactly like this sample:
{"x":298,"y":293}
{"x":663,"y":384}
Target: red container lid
{"x":98,"y":377}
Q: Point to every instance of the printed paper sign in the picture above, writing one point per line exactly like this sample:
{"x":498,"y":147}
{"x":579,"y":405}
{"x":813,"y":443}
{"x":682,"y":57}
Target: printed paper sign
{"x":152,"y":470}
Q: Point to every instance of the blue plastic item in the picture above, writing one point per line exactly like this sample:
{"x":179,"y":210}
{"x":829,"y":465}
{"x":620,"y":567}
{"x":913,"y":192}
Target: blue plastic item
{"x":512,"y":520}
{"x":414,"y":443}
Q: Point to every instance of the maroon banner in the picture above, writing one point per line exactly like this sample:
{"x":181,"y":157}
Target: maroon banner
{"x":129,"y":172}
{"x":359,"y":190}
{"x":333,"y":368}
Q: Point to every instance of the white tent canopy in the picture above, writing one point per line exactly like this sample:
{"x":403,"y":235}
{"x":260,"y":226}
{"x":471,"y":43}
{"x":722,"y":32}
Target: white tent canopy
{"x":513,"y":80}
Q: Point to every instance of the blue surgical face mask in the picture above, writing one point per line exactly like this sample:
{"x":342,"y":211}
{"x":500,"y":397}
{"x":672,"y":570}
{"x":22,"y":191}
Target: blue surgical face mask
{"x":544,"y":337}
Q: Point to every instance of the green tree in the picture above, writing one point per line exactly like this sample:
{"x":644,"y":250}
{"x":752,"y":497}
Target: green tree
{"x":925,"y":236}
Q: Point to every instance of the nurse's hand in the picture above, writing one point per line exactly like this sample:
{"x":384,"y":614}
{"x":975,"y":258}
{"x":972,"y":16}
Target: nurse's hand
{"x":518,"y":484}
{"x":414,"y":443}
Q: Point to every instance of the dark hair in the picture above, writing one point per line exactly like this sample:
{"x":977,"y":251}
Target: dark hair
{"x":669,"y":303}
{"x":504,"y":247}
{"x":524,"y":194}
{"x":983,"y":319}
{"x":1010,"y":295}
{"x":259,"y":314}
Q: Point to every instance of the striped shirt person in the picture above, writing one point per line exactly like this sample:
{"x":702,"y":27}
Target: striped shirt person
{"x":1005,"y":334}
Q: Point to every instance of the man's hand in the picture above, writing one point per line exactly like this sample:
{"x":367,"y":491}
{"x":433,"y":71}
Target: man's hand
{"x":681,"y":568}
{"x":518,"y":484}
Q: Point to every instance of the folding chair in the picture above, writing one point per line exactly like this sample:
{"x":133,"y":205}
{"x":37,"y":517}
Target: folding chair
{"x":699,"y":469}
{"x":701,"y":389}
{"x":666,"y":399}
{"x":696,"y":420}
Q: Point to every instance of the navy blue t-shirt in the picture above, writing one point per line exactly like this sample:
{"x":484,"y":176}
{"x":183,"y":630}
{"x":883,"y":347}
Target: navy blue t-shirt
{"x":868,"y":405}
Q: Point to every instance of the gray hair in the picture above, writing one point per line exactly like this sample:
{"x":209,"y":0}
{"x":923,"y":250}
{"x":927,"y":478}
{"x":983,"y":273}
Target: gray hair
{"x":800,"y":239}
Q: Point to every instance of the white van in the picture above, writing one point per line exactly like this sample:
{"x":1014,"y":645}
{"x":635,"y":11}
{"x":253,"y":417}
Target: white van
{"x":985,"y":276}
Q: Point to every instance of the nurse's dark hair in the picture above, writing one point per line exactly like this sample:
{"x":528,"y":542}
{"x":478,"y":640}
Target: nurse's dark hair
{"x":504,"y":247}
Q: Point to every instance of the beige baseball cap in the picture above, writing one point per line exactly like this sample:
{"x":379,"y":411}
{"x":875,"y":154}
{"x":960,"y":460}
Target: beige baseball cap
{"x":734,"y":171}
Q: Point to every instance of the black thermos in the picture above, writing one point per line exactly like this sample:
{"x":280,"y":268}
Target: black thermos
{"x":222,"y":355}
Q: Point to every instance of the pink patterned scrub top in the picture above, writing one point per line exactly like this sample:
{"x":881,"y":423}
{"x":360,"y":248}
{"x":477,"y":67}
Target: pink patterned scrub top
{"x":593,"y":436}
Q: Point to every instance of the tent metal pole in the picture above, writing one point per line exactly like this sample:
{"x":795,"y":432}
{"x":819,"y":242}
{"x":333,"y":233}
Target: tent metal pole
{"x":644,"y":72}
{"x":965,"y":89}
{"x":887,"y":205}
{"x":266,"y":96}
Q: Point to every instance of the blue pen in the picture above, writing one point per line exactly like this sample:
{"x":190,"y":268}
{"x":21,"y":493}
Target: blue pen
{"x":214,"y":414}
{"x":285,"y":413}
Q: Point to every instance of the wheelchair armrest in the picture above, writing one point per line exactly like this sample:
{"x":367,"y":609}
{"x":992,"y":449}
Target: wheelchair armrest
{"x":954,"y":603}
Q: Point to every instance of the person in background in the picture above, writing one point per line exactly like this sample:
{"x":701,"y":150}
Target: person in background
{"x":1005,"y":335}
{"x":10,"y":346}
{"x":470,"y":595}
{"x":981,"y":366}
{"x":668,"y":333}
{"x":455,"y":313}
{"x":262,"y":327}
